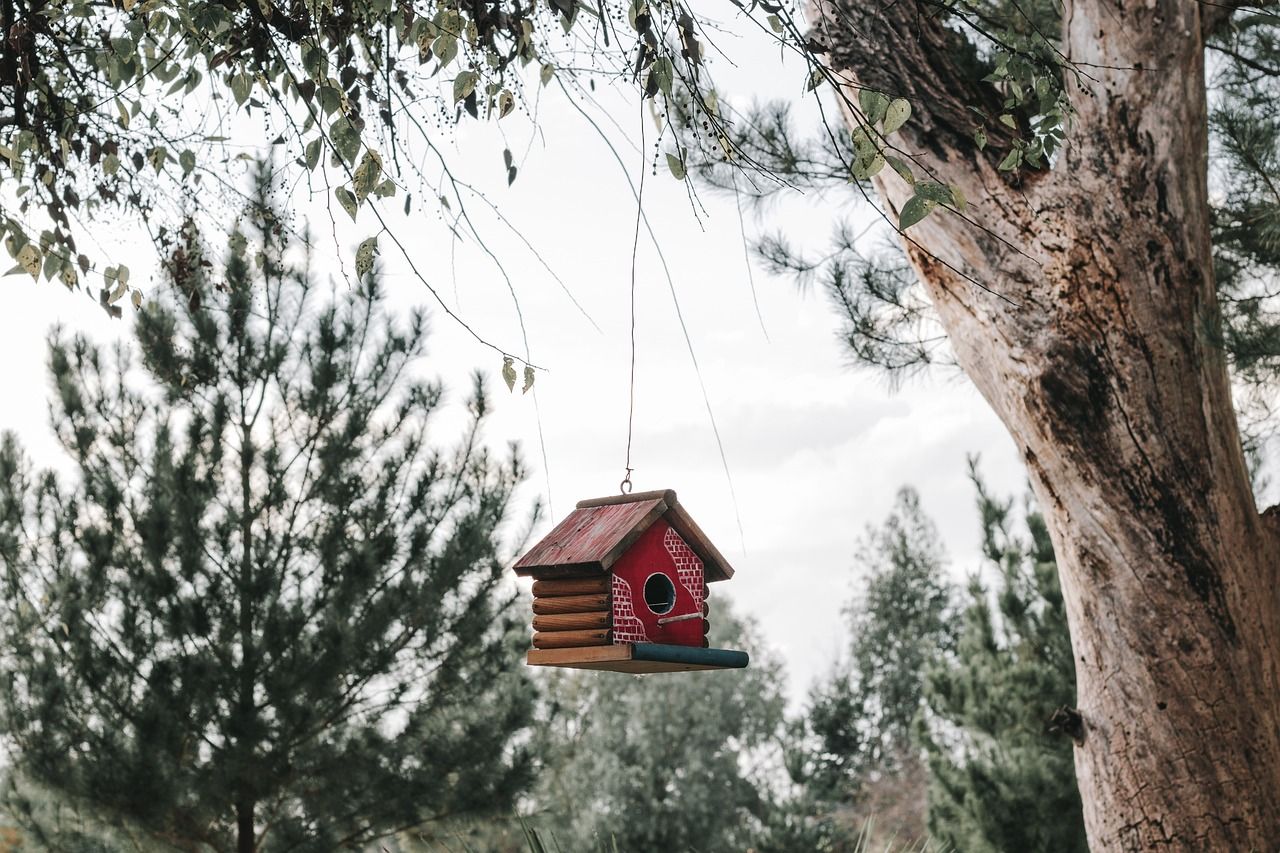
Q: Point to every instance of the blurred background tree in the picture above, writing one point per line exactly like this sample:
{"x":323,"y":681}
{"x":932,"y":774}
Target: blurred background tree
{"x":265,"y":612}
{"x":999,"y":779}
{"x":673,"y":761}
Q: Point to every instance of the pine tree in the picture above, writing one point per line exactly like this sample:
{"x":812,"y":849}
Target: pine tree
{"x":999,"y":781}
{"x":862,"y":720}
{"x":265,"y":612}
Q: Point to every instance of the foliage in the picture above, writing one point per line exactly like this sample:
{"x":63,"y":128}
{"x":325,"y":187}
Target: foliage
{"x":1000,"y":781}
{"x":861,"y":722}
{"x":41,"y":820}
{"x":110,"y":109}
{"x":262,"y":573}
{"x":670,"y":761}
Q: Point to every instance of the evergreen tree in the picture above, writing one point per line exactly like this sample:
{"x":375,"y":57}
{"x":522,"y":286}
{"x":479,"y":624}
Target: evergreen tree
{"x":999,"y":782}
{"x":265,"y":613}
{"x":671,"y":762}
{"x":861,"y":722}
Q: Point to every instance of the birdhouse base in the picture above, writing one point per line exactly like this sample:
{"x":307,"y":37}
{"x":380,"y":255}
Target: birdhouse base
{"x":639,"y":658}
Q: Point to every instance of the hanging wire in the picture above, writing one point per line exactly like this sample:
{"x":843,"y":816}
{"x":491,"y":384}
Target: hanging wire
{"x":625,"y":486}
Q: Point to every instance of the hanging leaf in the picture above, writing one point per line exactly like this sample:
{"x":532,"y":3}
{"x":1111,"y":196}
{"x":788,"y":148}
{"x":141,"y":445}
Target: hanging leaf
{"x":873,"y":104}
{"x":980,"y":138}
{"x":367,"y":174}
{"x":464,"y":84}
{"x":29,"y":258}
{"x":916,"y":208}
{"x":548,"y":71}
{"x":1011,"y":160}
{"x":868,"y":166}
{"x":903,"y":170}
{"x":137,"y":298}
{"x":528,"y":379}
{"x":509,"y":372}
{"x":187,"y":159}
{"x":445,"y":48}
{"x":364,"y":256}
{"x":676,"y":167}
{"x":506,"y":103}
{"x":347,"y":200}
{"x":896,"y":114}
{"x":313,"y":154}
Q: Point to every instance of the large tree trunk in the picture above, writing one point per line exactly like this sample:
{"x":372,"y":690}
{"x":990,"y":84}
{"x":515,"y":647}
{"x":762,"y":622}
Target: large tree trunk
{"x":1097,"y":351}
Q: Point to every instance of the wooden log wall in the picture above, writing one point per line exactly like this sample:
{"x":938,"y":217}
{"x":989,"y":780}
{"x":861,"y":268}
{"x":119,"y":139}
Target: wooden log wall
{"x":571,"y":612}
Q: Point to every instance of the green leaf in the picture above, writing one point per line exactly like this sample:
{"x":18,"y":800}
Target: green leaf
{"x":896,"y":114}
{"x":916,"y":208}
{"x":313,"y":154}
{"x":548,"y":71}
{"x":1009,"y":120}
{"x":367,"y":174}
{"x":528,"y":379}
{"x":867,"y":167}
{"x":676,"y":167}
{"x":873,"y":104}
{"x":240,"y":86}
{"x":663,"y":73}
{"x":464,"y":84}
{"x":445,"y":48}
{"x":157,"y":157}
{"x":187,"y":159}
{"x":934,"y":191}
{"x":364,"y":256}
{"x":509,"y":372}
{"x":1011,"y":160}
{"x":775,"y":23}
{"x":347,"y":200}
{"x":980,"y":138}
{"x":903,"y":170}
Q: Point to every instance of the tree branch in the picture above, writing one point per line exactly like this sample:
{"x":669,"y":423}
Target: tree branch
{"x":905,"y":49}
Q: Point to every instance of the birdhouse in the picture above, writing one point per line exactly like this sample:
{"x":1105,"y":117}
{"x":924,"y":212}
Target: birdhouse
{"x":621,"y":584}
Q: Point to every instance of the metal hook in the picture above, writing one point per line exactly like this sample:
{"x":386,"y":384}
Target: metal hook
{"x":625,"y":486}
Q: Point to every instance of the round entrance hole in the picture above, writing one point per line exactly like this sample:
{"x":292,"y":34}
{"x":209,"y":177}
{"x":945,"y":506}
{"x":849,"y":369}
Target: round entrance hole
{"x":659,"y":593}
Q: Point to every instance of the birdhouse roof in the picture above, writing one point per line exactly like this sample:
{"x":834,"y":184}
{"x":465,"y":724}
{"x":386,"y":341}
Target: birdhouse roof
{"x":592,"y":537}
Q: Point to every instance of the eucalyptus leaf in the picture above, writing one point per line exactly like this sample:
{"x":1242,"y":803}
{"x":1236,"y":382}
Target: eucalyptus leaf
{"x":347,"y":200}
{"x":676,"y":166}
{"x":916,"y":209}
{"x":364,"y":256}
{"x":509,"y":372}
{"x":896,"y":114}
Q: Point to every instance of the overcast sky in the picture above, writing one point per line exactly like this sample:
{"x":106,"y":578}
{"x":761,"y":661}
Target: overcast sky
{"x":816,"y":450}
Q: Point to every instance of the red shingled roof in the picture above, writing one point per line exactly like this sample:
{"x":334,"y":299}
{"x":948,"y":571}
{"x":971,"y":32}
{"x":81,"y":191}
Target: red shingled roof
{"x":592,"y":537}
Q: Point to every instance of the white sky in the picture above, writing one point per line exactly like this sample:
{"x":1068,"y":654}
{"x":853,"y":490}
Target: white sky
{"x":816,"y":450}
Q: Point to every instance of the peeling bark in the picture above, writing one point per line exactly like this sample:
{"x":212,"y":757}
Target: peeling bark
{"x":1101,"y":365}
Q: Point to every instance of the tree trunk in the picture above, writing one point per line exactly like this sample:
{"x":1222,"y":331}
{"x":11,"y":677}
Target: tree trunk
{"x":1097,"y":351}
{"x":246,"y":840}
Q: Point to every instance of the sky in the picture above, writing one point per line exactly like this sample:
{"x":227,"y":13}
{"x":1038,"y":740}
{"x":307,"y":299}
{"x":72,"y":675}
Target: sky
{"x":815,"y":449}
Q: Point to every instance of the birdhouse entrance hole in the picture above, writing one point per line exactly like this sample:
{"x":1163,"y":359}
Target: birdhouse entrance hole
{"x":659,"y":593}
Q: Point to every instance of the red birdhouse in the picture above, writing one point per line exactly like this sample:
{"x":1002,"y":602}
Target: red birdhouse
{"x":621,"y":584}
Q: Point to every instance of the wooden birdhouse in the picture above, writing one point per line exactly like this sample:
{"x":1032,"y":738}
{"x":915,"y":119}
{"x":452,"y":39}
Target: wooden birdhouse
{"x":621,"y":584}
